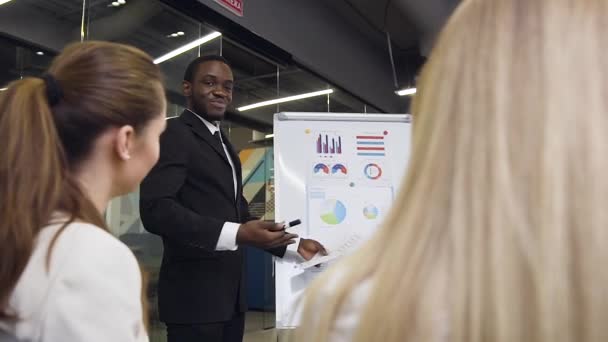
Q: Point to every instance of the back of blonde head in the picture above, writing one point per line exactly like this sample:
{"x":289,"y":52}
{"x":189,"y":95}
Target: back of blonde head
{"x":500,"y":231}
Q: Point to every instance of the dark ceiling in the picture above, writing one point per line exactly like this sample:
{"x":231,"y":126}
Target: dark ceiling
{"x":147,"y":23}
{"x":411,"y":25}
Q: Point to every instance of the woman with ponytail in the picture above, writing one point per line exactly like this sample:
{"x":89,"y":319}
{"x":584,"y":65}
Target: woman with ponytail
{"x":83,"y":133}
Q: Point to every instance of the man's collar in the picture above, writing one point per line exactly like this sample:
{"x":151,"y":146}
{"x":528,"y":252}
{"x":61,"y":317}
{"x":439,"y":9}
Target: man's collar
{"x":212,"y":127}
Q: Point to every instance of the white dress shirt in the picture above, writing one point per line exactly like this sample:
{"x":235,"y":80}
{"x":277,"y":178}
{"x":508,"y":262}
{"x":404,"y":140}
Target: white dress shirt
{"x":90,"y":291}
{"x":227,"y":239}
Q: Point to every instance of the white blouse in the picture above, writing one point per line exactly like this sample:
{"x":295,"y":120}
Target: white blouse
{"x":91,"y":290}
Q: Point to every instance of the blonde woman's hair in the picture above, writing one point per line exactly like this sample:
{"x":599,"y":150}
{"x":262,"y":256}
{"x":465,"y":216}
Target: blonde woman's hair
{"x":500,"y":232}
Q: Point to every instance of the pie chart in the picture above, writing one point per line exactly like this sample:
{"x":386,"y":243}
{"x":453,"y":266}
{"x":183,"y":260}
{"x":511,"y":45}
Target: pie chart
{"x":370,"y":212}
{"x":333,"y":212}
{"x":372,"y":171}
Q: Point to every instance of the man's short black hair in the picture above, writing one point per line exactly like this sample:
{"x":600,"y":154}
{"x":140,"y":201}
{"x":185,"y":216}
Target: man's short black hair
{"x":191,"y":69}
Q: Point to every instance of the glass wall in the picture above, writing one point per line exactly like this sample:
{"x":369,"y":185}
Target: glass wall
{"x":32,"y":32}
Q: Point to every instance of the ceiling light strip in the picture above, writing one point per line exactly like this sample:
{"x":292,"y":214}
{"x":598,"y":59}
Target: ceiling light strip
{"x":285,"y":99}
{"x":187,"y":47}
{"x":407,"y":91}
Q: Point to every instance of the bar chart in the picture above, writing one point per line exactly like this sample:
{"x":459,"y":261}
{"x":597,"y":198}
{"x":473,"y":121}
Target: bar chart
{"x":328,"y":143}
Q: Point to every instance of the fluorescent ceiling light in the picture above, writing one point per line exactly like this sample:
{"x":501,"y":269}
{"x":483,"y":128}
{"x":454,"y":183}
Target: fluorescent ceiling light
{"x":175,"y":34}
{"x":3,"y":89}
{"x":2,"y":2}
{"x":407,"y":91}
{"x":187,"y":47}
{"x":285,"y":99}
{"x":268,"y":136}
{"x":117,"y":3}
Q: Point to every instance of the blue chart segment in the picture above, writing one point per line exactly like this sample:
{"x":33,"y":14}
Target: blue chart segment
{"x":333,"y":212}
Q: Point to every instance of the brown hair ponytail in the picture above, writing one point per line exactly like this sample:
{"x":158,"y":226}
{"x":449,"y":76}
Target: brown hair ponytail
{"x":101,"y":85}
{"x":31,"y":175}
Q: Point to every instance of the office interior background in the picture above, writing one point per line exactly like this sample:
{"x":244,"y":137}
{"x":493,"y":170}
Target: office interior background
{"x":344,"y":56}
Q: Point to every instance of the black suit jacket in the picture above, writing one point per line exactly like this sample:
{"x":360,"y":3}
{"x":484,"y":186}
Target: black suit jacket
{"x":186,"y":199}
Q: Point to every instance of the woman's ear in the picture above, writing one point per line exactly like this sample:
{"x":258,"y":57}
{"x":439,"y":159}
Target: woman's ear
{"x":124,"y":142}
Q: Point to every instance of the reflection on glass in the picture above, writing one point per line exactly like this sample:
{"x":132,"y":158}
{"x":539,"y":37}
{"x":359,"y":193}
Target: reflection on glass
{"x":48,"y":24}
{"x":19,"y":60}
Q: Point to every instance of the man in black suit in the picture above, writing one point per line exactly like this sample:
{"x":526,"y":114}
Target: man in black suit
{"x":193,"y":199}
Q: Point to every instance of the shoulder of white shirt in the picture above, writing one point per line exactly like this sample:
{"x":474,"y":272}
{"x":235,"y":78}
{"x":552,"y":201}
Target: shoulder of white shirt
{"x":86,"y":245}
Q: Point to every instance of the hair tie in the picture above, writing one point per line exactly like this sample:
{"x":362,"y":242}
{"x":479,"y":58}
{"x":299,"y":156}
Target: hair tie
{"x":53,"y":90}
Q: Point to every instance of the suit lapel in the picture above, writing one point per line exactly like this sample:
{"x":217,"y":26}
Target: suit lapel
{"x":199,"y":128}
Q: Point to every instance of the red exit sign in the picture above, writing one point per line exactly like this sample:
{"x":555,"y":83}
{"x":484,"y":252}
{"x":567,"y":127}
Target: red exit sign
{"x":234,"y":6}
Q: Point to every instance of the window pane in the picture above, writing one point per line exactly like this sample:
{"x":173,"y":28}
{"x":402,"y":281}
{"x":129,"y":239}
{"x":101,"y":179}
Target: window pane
{"x":19,"y":60}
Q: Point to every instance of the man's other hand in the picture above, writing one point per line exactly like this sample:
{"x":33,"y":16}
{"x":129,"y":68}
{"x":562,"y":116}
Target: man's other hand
{"x":308,"y":248}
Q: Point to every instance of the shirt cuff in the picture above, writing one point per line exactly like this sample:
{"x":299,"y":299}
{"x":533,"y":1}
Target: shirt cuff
{"x":227,"y":240}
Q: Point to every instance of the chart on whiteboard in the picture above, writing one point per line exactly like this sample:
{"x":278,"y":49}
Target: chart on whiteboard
{"x":349,"y":186}
{"x":336,"y":213}
{"x":340,"y":178}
